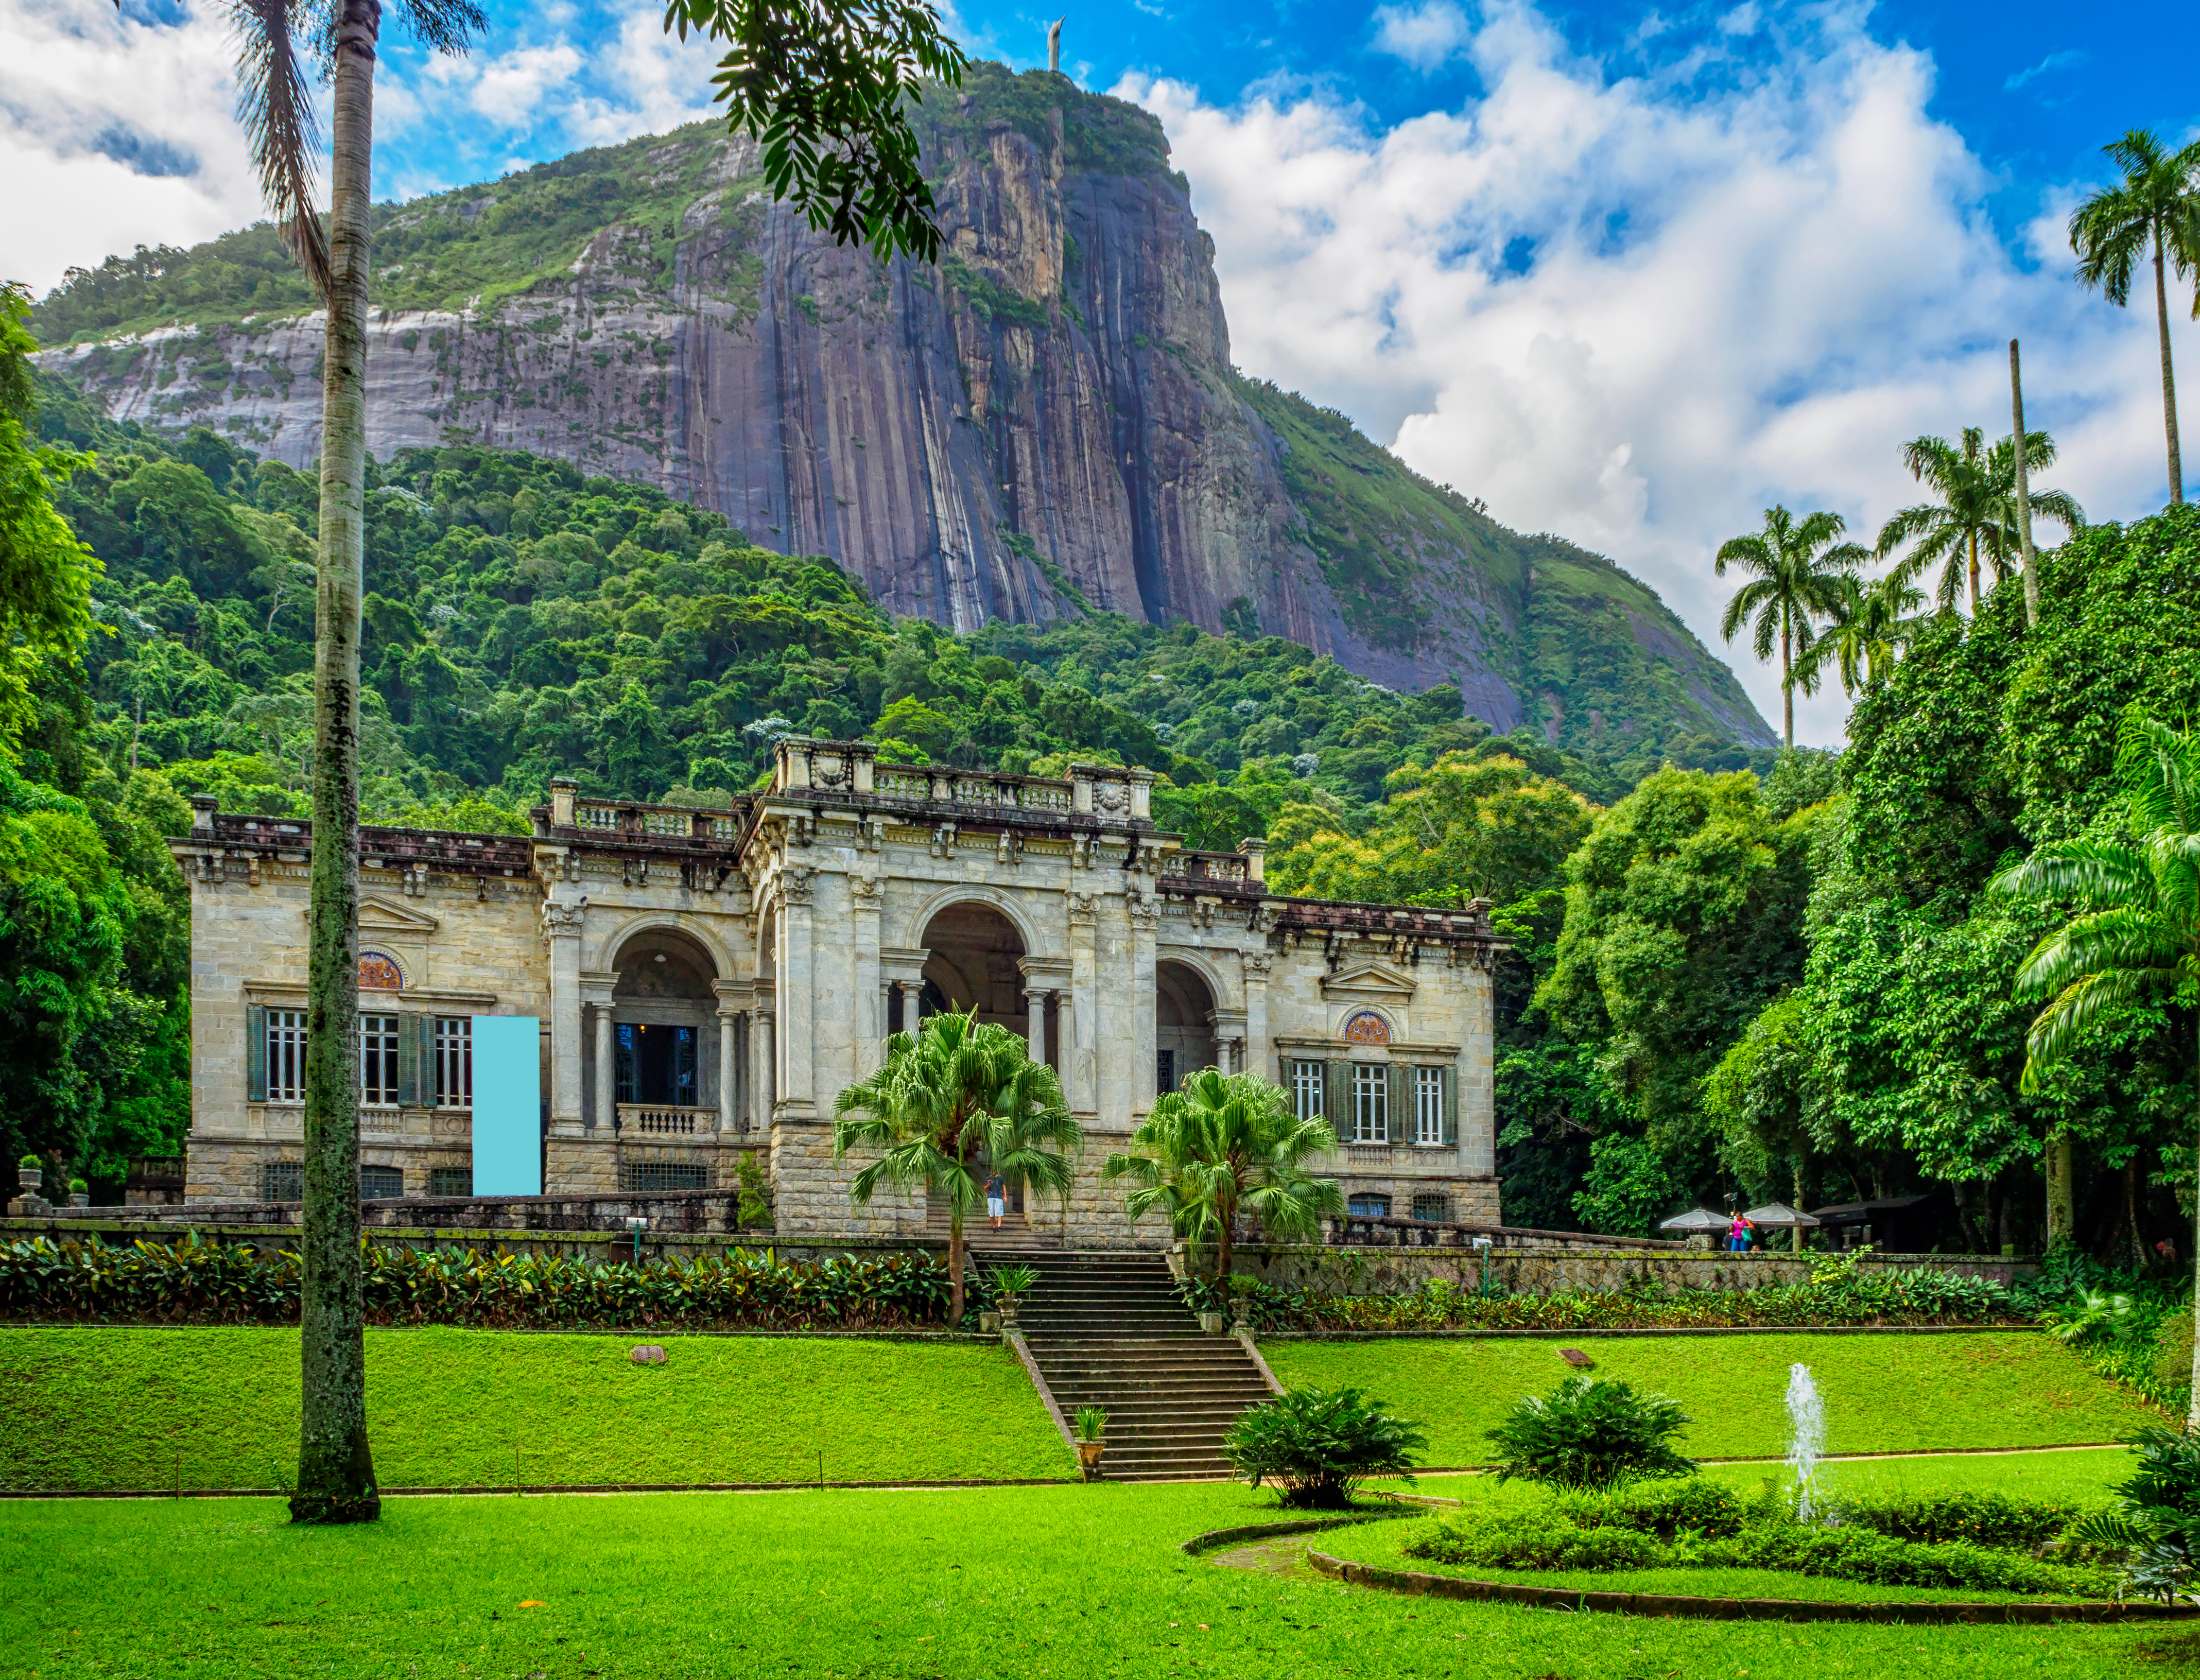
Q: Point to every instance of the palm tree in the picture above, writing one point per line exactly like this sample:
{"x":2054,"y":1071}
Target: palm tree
{"x":2136,"y":932}
{"x":1974,"y":523}
{"x":2157,"y":204}
{"x":1870,"y":626}
{"x":1799,"y":570}
{"x":1223,"y":1145}
{"x":336,"y":1469}
{"x":952,"y":1098}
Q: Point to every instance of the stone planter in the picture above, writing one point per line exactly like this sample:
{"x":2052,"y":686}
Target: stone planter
{"x":1088,"y":1457}
{"x":989,"y":1324}
{"x":1007,"y":1314}
{"x":30,"y":1177}
{"x":80,"y":1198}
{"x":1210,"y":1323}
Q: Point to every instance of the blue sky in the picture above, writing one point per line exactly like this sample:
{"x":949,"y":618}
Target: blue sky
{"x":1631,"y":272}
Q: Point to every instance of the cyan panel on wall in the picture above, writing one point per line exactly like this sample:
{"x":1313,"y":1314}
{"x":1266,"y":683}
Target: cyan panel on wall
{"x":507,"y":1105}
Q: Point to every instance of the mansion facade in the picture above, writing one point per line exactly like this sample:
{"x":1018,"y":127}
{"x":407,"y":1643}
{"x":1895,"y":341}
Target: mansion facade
{"x":704,"y":983}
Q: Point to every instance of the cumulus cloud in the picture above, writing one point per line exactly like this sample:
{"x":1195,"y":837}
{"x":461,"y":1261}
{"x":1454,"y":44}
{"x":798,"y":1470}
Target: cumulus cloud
{"x":1637,"y":309}
{"x":115,"y":128}
{"x":1425,"y":35}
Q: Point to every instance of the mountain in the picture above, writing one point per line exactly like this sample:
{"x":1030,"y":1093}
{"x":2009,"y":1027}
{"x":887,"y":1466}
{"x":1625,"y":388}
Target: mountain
{"x":1046,"y":424}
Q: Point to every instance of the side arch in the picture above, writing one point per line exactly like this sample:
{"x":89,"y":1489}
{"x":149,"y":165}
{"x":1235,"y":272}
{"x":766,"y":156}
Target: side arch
{"x":1017,"y":914}
{"x":1226,"y":994}
{"x":645,"y":922}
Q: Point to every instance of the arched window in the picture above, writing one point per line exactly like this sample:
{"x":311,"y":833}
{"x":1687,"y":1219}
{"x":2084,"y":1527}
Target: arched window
{"x":378,"y":972}
{"x":1367,"y":1027}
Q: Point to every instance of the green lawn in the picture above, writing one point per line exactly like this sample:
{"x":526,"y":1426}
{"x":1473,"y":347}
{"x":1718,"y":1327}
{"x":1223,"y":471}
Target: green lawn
{"x":1882,"y":1393}
{"x":1054,"y":1583}
{"x":115,"y":1407}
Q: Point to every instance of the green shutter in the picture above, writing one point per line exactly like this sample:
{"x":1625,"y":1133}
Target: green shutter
{"x":1451,"y":1103}
{"x":1337,"y":1097}
{"x":408,"y":1061}
{"x":1401,"y":1102}
{"x":255,"y":1053}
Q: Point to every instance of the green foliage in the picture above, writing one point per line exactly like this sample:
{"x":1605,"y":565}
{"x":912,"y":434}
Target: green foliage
{"x":1981,"y":1518}
{"x":1091,"y":1423}
{"x":2154,"y":1519}
{"x":1588,"y":1432}
{"x":1317,"y":1445}
{"x":191,"y":1281}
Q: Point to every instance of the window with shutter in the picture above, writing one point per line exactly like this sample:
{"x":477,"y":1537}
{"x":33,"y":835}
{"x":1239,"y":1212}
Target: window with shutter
{"x":255,"y":1057}
{"x":1428,"y":1107}
{"x":1337,"y":1097}
{"x":408,"y":1060}
{"x":1401,"y":1103}
{"x":1451,"y":1103}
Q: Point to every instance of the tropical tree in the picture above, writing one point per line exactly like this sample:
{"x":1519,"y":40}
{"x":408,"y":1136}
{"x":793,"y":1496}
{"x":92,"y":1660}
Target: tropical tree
{"x":1227,"y":1145}
{"x":954,"y":1100}
{"x":1974,"y":523}
{"x":2153,"y":211}
{"x":1871,"y":622}
{"x":1799,"y":568}
{"x":2135,"y":933}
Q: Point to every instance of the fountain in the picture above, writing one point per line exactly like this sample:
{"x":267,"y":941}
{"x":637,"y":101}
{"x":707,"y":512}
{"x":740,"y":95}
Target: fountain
{"x":1806,"y":1436}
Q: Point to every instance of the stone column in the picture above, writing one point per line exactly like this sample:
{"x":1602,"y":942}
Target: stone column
{"x":561,"y":928}
{"x":1081,"y":1031}
{"x":865,"y":900}
{"x":606,"y":1067}
{"x":1260,"y":1050}
{"x":1035,"y":1023}
{"x":763,"y":1065}
{"x":1144,"y":1035}
{"x":728,"y":1068}
{"x":794,"y":997}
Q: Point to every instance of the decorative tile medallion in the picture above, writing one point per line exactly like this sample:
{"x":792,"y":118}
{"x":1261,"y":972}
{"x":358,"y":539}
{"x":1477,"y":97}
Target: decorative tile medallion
{"x":1367,"y":1027}
{"x":377,"y":973}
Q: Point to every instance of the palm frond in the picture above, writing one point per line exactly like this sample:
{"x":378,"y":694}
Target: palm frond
{"x":277,"y":114}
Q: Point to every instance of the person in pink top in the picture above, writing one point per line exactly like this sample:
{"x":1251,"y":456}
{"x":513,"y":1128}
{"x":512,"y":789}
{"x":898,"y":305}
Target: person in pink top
{"x":1737,"y":1236}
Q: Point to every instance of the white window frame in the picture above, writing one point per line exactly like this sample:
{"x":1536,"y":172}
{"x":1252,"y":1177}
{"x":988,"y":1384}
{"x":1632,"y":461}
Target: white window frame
{"x":455,"y":1061}
{"x":286,"y":1055}
{"x":1308,"y":1080}
{"x":1371,"y":1103}
{"x":1428,"y":1108}
{"x":378,"y":1059}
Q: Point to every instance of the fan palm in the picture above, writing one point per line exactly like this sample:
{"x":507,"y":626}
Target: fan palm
{"x":1870,"y":625}
{"x":1800,"y":568}
{"x":1973,"y":525}
{"x":1226,"y":1145}
{"x":275,"y":39}
{"x":2136,"y":932}
{"x":955,"y":1096}
{"x":2156,"y":205}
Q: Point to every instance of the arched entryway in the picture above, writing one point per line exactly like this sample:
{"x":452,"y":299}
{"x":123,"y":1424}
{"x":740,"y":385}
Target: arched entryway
{"x":1183,"y":1025}
{"x":971,"y":961}
{"x":657,"y":1061}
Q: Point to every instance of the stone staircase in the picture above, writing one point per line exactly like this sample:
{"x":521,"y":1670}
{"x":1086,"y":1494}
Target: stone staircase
{"x":1107,"y":1329}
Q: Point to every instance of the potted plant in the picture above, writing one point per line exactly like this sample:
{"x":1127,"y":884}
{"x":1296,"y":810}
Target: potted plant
{"x":1241,"y":1304}
{"x":30,"y":1173}
{"x":1091,"y":1439}
{"x":80,"y":1193}
{"x":1010,"y":1282}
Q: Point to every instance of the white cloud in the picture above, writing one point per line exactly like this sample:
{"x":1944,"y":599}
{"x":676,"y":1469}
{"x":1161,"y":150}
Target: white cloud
{"x":647,"y":81}
{"x":115,"y":129}
{"x":1424,"y":35}
{"x":1732,"y":297}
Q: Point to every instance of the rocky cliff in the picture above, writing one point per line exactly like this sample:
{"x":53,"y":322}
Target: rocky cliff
{"x":1047,"y":421}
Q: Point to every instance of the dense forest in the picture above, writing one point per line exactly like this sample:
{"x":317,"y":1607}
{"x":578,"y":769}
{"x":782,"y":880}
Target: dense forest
{"x":1772,"y":975}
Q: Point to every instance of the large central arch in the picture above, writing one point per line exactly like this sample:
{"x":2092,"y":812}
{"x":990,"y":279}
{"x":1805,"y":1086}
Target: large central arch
{"x":1184,"y":1024}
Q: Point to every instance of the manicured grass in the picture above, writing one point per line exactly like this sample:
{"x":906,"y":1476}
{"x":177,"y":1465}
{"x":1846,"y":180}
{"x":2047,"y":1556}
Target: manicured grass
{"x":1054,"y":1583}
{"x":87,"y":1408}
{"x":1882,"y":1393}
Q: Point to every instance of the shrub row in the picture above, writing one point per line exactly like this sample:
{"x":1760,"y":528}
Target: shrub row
{"x":191,"y":1281}
{"x":1915,"y":1295}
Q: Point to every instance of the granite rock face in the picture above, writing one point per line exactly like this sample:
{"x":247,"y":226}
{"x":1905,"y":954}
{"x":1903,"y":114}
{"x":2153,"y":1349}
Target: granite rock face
{"x":1047,"y":420}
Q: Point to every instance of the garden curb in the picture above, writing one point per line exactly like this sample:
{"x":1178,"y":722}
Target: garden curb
{"x":1416,"y":1585}
{"x":509,"y":1490}
{"x":1466,"y":1335}
{"x":627,"y":1331}
{"x":1214,"y":1538}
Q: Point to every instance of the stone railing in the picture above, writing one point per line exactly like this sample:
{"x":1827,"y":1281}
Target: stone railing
{"x":666,"y":1119}
{"x":1360,"y":1231}
{"x":802,"y":766}
{"x":629,"y":820}
{"x":1223,"y":869}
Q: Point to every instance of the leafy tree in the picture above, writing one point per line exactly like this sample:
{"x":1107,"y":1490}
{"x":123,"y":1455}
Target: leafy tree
{"x":954,"y":1100}
{"x":1872,"y":622}
{"x":1975,"y":518}
{"x":1221,"y":1146}
{"x":2157,"y":205}
{"x":1798,"y":571}
{"x":2135,"y":934}
{"x":824,"y":87}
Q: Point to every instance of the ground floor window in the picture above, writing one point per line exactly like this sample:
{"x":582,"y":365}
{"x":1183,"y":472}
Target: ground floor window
{"x":377,"y":1061}
{"x":286,"y":1062}
{"x":645,"y":1177}
{"x":1434,"y":1209}
{"x":282,"y":1180}
{"x":1370,"y":1103}
{"x":454,"y":1067}
{"x":1164,"y":1071}
{"x":450,"y":1182}
{"x":1306,"y":1089}
{"x":656,"y":1064}
{"x":1369,"y":1206}
{"x":381,"y":1184}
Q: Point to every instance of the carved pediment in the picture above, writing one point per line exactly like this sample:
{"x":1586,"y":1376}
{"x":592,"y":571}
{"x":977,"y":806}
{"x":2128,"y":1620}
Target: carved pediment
{"x":1370,"y":980}
{"x":386,"y":916}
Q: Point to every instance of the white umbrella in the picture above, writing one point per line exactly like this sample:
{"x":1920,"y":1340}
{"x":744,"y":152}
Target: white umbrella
{"x":1694,"y":1221}
{"x":1779,"y":1217}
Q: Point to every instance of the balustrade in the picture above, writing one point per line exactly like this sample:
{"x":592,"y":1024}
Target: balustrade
{"x":666,"y":1120}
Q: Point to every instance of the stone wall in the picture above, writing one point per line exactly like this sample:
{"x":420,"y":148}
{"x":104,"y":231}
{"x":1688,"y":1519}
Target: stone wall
{"x":1549,"y":1269}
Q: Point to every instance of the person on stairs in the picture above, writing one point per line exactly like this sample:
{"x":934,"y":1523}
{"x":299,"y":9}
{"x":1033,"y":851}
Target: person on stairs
{"x":997,"y":1199}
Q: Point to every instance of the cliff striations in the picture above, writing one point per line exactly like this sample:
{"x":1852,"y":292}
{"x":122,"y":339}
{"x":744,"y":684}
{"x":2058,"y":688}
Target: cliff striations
{"x":1046,"y":423}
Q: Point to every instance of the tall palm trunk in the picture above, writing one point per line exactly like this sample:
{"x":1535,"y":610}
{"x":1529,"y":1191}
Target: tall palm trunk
{"x":1971,"y":544}
{"x":1786,"y":680}
{"x":336,"y":1471}
{"x":1222,"y":1247}
{"x":2023,"y":491}
{"x":2192,"y":1412}
{"x":2168,"y":378}
{"x":2062,"y":1189}
{"x":954,"y":1267}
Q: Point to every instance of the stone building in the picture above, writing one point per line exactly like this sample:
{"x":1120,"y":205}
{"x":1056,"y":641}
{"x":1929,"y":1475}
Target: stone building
{"x":707,"y":981}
